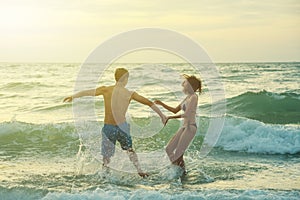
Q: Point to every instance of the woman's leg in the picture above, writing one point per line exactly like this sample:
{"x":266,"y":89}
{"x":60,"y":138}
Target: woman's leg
{"x":173,"y":144}
{"x":180,"y":163}
{"x":185,"y":139}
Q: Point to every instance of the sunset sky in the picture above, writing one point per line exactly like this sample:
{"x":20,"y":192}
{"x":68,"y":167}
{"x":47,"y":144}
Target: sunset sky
{"x":229,"y":30}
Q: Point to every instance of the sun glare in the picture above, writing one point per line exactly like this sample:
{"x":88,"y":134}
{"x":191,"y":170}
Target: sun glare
{"x":16,"y":18}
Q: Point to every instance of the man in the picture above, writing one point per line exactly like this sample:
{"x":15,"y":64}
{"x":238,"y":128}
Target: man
{"x":116,"y":102}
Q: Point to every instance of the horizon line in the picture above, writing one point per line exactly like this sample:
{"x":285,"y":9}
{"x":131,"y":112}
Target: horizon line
{"x":73,"y":62}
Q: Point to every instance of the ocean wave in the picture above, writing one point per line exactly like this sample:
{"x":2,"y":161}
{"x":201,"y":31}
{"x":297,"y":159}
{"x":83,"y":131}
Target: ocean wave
{"x":204,"y":194}
{"x":268,"y":107}
{"x":246,"y":135}
{"x":52,"y":107}
{"x":238,"y":134}
{"x":25,"y":138}
{"x":16,"y":86}
{"x":120,"y":194}
{"x":23,"y":129}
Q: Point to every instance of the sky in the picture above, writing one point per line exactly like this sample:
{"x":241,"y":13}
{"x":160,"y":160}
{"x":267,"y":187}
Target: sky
{"x":228,"y":30}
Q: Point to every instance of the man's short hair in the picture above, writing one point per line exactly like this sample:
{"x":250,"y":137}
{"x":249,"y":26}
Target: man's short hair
{"x":121,"y":73}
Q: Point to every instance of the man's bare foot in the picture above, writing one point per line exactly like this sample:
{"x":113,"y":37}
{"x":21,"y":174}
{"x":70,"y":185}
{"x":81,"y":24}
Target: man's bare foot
{"x":142,"y":174}
{"x":184,"y":173}
{"x":104,"y":166}
{"x":106,"y":161}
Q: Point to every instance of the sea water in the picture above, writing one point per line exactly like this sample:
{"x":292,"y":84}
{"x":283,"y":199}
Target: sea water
{"x":46,"y":154}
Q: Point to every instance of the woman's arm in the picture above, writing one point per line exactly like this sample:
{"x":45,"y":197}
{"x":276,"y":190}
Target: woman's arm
{"x":92,"y":92}
{"x":192,"y":105}
{"x":169,"y":108}
{"x":172,"y":117}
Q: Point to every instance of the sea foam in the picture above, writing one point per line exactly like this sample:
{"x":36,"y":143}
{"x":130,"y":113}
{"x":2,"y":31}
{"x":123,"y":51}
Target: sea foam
{"x":241,"y":134}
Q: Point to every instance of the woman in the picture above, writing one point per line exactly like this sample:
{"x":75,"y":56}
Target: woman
{"x":181,"y":140}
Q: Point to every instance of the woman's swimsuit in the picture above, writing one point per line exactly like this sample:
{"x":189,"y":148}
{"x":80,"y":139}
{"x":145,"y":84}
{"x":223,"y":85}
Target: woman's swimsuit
{"x":184,"y":108}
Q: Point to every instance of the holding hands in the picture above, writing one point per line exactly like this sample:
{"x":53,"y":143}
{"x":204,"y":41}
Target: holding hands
{"x":164,"y":118}
{"x":158,"y":102}
{"x":68,"y":99}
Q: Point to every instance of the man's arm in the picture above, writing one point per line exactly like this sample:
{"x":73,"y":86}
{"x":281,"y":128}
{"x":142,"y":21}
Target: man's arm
{"x":169,"y":108}
{"x":92,"y":92}
{"x":135,"y":96}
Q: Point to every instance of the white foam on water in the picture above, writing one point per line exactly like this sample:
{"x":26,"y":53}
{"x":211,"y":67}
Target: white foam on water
{"x":157,"y":195}
{"x":240,"y":134}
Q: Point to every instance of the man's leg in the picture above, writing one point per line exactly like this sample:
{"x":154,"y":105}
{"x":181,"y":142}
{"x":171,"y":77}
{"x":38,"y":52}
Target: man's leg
{"x":107,"y":144}
{"x":134,"y":159}
{"x":106,"y":161}
{"x":126,"y":144}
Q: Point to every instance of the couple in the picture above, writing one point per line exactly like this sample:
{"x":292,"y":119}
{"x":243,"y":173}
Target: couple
{"x":116,"y":102}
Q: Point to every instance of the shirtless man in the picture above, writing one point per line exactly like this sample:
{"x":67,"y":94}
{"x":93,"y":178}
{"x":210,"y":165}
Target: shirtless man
{"x":116,"y":102}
